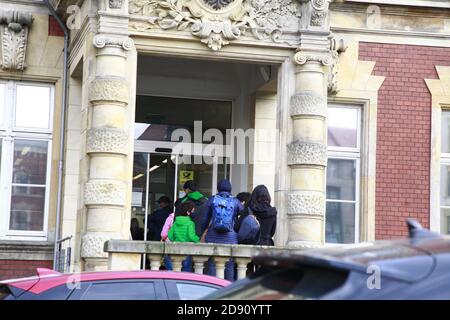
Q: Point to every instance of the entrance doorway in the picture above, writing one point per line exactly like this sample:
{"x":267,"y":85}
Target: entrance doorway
{"x":161,"y":165}
{"x":157,"y":174}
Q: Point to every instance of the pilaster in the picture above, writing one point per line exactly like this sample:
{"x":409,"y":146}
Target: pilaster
{"x":108,"y":134}
{"x":307,"y":152}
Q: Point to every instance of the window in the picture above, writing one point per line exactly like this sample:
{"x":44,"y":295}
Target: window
{"x":287,"y":283}
{"x":445,"y":173}
{"x":121,"y":291}
{"x":189,"y":291}
{"x":342,"y":204}
{"x":25,"y":150}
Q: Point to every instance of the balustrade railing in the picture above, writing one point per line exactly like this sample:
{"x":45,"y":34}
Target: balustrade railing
{"x":127,"y":255}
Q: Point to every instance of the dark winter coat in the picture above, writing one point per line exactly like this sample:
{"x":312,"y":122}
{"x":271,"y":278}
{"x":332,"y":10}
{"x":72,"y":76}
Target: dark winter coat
{"x":156,"y":222}
{"x":198,"y":215}
{"x":267,"y":218}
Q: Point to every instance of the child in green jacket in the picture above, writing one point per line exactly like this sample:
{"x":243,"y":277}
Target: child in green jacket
{"x":183,"y":228}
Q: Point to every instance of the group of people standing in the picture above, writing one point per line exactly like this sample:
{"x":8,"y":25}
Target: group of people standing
{"x":247,"y":218}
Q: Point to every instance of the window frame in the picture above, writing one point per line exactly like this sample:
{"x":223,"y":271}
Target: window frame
{"x":9,"y":133}
{"x":444,"y":160}
{"x":348,"y":153}
{"x":158,"y":283}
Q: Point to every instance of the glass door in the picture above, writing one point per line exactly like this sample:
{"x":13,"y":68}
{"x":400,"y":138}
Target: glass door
{"x":157,"y":174}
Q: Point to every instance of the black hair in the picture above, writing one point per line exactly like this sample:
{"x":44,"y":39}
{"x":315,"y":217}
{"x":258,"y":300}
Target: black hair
{"x":260,"y":195}
{"x":190,"y":185}
{"x":243,"y":197}
{"x":183,"y":208}
{"x":164,"y":199}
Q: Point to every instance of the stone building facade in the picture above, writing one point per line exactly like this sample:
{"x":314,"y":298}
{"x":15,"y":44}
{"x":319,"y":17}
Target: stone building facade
{"x":344,"y":103}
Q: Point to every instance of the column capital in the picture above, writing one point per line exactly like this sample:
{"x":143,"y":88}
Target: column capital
{"x":108,"y":40}
{"x":301,"y":58}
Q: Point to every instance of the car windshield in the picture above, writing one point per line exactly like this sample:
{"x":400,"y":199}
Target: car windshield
{"x":284,"y":284}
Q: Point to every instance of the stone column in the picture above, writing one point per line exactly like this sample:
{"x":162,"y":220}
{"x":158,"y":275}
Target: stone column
{"x":307,"y":153}
{"x":105,"y":192}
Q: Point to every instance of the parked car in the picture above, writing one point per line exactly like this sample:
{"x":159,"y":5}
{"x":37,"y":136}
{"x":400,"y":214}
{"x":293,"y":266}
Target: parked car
{"x":414,"y":268}
{"x":130,"y":285}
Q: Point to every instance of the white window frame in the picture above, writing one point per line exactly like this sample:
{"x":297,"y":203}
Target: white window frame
{"x":9,"y":134}
{"x":348,"y":153}
{"x":444,"y":159}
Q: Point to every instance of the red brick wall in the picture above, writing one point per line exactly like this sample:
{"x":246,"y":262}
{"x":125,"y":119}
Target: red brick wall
{"x":11,"y":269}
{"x":53,"y":28}
{"x":403,"y":132}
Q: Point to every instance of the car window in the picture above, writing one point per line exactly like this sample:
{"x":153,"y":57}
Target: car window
{"x":285,"y":284}
{"x":190,"y":291}
{"x":5,"y":293}
{"x":121,"y":291}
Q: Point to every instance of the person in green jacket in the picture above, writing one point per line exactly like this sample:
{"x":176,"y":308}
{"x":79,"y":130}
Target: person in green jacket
{"x":183,"y":230}
{"x":199,"y":200}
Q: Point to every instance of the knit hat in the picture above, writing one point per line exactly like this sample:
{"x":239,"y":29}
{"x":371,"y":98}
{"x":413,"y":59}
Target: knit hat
{"x":190,"y":185}
{"x":224,"y":186}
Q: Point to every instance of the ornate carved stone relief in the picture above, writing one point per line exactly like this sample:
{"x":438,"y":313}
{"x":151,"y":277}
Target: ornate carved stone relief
{"x":217,"y":22}
{"x":336,"y":47}
{"x":14,"y":34}
{"x":308,"y":103}
{"x":104,"y":193}
{"x":306,"y":202}
{"x":115,"y":4}
{"x":218,"y":4}
{"x":92,"y":245}
{"x":105,"y":140}
{"x":304,"y":153}
{"x":115,"y":90}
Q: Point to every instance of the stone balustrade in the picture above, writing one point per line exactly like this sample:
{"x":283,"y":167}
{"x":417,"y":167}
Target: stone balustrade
{"x":127,"y":254}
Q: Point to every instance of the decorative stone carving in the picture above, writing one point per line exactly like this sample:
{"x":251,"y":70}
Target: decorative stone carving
{"x":218,"y":4}
{"x":315,"y":13}
{"x":115,"y":4}
{"x":14,"y":36}
{"x":306,"y":153}
{"x":92,"y":245}
{"x":318,"y":18}
{"x":105,"y":140}
{"x":103,"y":40}
{"x":106,"y":192}
{"x":217,"y":22}
{"x":336,"y":47}
{"x":301,"y":58}
{"x":308,"y":103}
{"x":112,"y":90}
{"x":306,"y":202}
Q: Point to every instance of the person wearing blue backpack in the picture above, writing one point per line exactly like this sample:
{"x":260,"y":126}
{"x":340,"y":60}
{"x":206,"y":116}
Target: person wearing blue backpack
{"x":220,"y":217}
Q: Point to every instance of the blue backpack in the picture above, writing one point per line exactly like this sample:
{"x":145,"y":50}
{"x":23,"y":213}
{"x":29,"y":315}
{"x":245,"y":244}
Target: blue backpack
{"x":249,"y":230}
{"x":223,"y":213}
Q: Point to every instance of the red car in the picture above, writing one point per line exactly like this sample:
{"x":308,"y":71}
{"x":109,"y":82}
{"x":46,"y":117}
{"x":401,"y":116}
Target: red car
{"x":111,"y":285}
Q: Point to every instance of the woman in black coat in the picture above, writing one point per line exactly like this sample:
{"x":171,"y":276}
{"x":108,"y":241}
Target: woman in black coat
{"x":266,"y":214}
